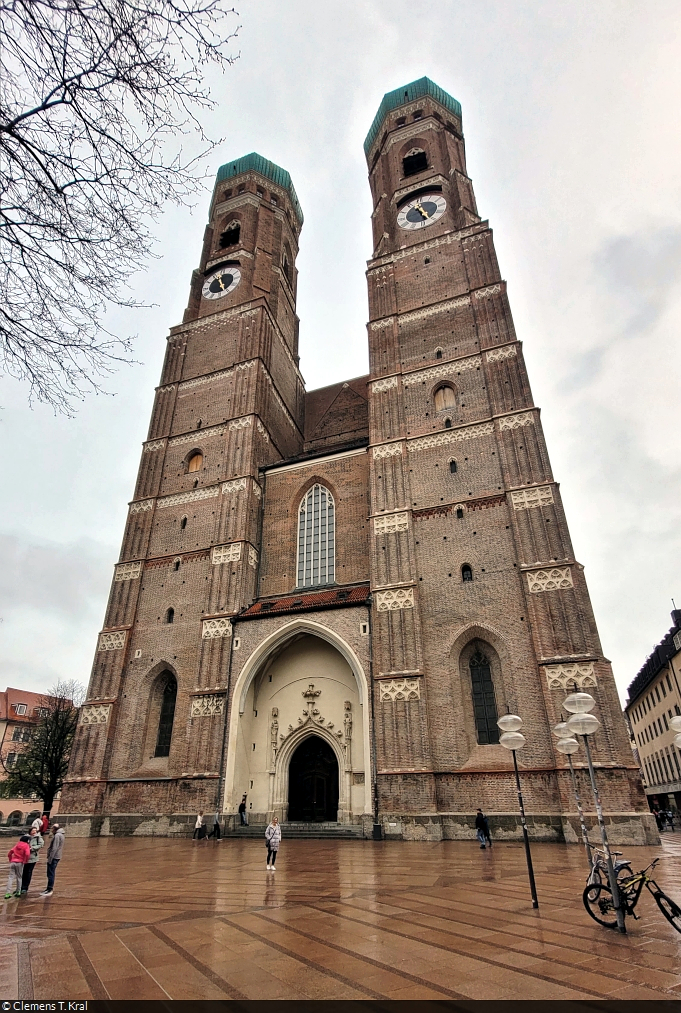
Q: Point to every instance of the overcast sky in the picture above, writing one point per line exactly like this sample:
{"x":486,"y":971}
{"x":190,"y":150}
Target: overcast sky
{"x":570,"y":112}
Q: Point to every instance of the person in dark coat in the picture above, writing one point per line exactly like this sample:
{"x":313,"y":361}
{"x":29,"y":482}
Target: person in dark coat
{"x":215,"y":832}
{"x":54,"y":853}
{"x":242,"y":812}
{"x":482,"y":829}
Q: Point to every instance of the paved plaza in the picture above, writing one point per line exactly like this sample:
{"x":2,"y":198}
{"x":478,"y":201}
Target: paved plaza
{"x":143,"y":918}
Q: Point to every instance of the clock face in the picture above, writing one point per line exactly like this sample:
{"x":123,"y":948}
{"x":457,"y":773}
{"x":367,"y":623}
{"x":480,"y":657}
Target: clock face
{"x":224,"y":281}
{"x":422,"y":211}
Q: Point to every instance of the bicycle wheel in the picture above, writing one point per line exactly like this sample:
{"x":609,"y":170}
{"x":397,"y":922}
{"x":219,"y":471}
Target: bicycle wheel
{"x":623,"y":873}
{"x":669,"y":909}
{"x":599,"y":903}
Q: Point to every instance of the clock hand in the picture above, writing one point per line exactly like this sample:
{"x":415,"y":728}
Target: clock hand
{"x":220,"y":283}
{"x":419,"y":207}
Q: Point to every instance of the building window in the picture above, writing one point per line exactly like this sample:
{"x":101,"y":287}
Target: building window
{"x":459,"y":512}
{"x":20,"y":708}
{"x":230,"y":237}
{"x":414,"y":161}
{"x":195,"y":462}
{"x":183,"y":523}
{"x":444,"y":398}
{"x":466,"y":573}
{"x":11,"y":759}
{"x":316,"y":538}
{"x":165,"y":722}
{"x":438,"y":353}
{"x":21,"y":735}
{"x":452,"y":467}
{"x":170,"y":615}
{"x":484,"y":704}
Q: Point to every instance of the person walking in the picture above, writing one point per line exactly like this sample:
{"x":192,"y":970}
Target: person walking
{"x":35,"y":844}
{"x":198,"y":826}
{"x":54,"y":853}
{"x":215,"y":832}
{"x":273,"y":840}
{"x":17,"y":857}
{"x":37,"y":824}
{"x":242,"y":812}
{"x":482,"y":829}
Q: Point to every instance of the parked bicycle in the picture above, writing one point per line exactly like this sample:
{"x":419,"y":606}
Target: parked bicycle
{"x":598,"y":899}
{"x":599,"y":867}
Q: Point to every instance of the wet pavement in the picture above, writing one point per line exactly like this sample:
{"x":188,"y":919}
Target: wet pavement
{"x":153,"y":918}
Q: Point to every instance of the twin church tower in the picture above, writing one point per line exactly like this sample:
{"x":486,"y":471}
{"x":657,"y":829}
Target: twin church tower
{"x":325,"y":599}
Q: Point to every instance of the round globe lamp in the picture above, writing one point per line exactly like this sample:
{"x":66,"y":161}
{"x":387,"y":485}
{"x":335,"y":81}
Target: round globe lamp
{"x":512,"y":740}
{"x":579,"y":703}
{"x":583,"y":724}
{"x":510,"y":723}
{"x":561,"y":730}
{"x":567,"y":746}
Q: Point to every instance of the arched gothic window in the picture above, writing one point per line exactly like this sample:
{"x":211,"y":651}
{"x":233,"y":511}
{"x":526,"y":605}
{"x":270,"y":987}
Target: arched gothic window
{"x":444,"y":398}
{"x":195,"y":461}
{"x":167,"y":716}
{"x":484,"y":704}
{"x":316,"y":538}
{"x":466,"y":571}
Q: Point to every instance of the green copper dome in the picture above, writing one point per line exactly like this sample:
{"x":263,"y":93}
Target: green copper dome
{"x":257,"y":163}
{"x":409,"y":93}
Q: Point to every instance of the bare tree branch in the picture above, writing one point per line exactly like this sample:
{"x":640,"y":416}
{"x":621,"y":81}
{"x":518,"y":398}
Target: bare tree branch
{"x":96,"y":99}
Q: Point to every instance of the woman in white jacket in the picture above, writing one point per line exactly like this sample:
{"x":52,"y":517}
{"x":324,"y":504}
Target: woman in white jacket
{"x":272,"y":840}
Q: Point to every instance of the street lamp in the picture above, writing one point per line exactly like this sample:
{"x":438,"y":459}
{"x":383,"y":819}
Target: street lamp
{"x":583,"y":723}
{"x":567,"y":745}
{"x":511,"y":738}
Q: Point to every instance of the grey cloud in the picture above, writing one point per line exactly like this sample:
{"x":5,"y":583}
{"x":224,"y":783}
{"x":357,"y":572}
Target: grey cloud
{"x":70,"y":580}
{"x":640,"y":272}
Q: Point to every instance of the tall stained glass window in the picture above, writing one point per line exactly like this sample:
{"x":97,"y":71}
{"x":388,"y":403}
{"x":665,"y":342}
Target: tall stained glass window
{"x":166,"y":718}
{"x":316,"y":538}
{"x":484,"y":704}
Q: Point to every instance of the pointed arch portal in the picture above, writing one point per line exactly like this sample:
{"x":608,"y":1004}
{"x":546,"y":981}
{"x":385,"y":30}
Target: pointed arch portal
{"x":285,"y":732}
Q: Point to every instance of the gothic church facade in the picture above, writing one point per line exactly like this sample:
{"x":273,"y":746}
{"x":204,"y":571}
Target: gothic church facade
{"x":325,"y":599}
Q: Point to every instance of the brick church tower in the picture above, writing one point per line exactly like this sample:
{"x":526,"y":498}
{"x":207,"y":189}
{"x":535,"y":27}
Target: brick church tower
{"x":326,"y":599}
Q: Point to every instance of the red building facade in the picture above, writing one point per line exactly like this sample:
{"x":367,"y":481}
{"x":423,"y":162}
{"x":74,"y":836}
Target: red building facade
{"x":324,"y":600}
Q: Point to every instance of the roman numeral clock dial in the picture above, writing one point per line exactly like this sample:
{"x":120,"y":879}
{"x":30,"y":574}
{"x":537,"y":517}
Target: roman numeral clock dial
{"x":422,"y":211}
{"x":222,"y":282}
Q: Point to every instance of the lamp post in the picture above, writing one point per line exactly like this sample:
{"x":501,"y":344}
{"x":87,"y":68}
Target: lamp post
{"x":511,"y":738}
{"x":567,"y":745}
{"x":583,"y":723}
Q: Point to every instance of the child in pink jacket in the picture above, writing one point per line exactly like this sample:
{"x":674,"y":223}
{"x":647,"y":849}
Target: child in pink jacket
{"x":18,"y":856}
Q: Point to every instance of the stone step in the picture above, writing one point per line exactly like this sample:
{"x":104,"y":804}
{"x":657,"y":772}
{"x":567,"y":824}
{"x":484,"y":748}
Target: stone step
{"x":308,"y":831}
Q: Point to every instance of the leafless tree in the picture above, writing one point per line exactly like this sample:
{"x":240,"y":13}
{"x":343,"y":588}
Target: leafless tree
{"x":41,"y":767}
{"x":97,"y":98}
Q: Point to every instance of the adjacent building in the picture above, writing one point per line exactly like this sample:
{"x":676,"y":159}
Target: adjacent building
{"x":654,"y":697}
{"x":20,"y":712}
{"x":325,"y":599}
